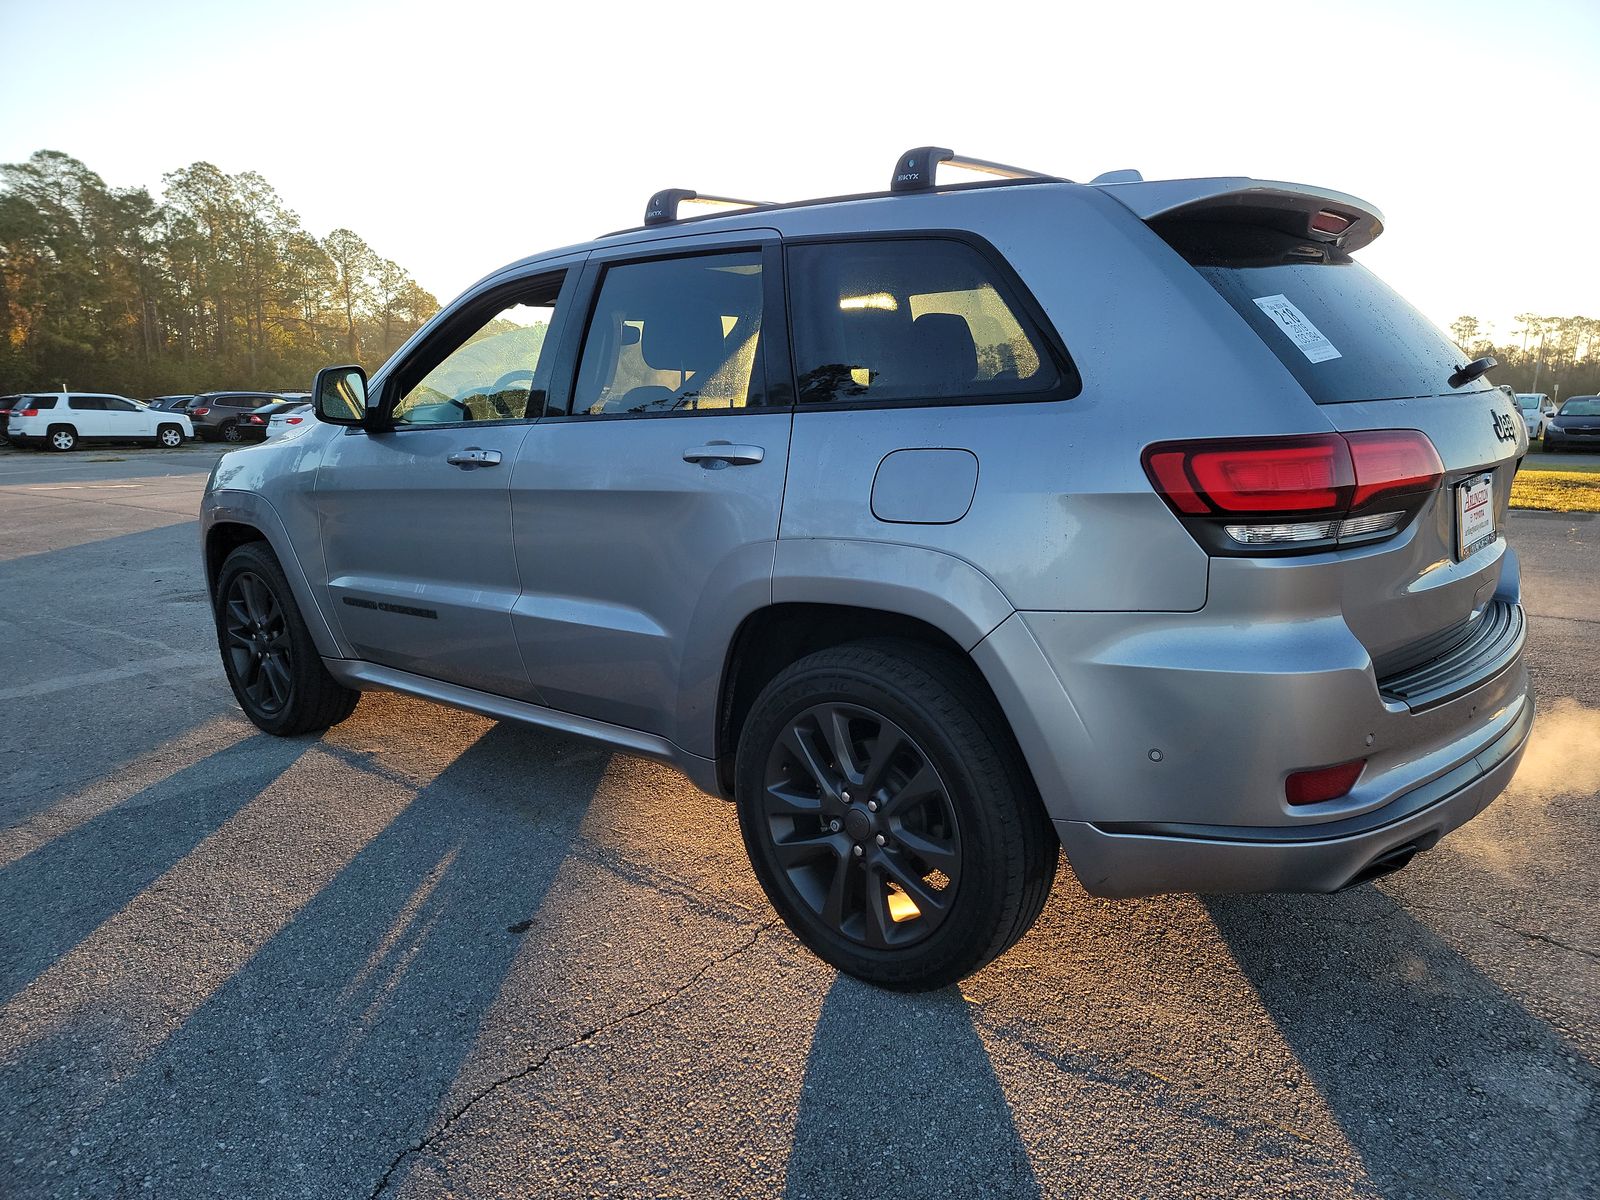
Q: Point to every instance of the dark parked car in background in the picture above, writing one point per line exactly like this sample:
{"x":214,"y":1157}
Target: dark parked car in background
{"x":225,"y":416}
{"x":1576,"y":425}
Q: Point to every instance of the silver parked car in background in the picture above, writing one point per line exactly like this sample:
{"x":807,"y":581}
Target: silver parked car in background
{"x":836,"y":506}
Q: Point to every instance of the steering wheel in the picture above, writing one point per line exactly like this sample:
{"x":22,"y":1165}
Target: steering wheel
{"x":510,"y":377}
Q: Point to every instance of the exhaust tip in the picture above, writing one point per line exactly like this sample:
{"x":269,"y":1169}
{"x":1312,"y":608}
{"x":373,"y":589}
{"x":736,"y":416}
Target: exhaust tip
{"x":1386,"y":863}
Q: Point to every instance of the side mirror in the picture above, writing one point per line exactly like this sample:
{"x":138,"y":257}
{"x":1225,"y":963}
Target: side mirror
{"x":340,"y":395}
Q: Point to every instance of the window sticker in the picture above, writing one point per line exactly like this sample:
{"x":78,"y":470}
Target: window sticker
{"x":1301,"y":332}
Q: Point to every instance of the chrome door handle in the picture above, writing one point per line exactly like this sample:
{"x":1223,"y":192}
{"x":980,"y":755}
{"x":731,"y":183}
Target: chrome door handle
{"x":474,"y":456}
{"x":724,"y":454}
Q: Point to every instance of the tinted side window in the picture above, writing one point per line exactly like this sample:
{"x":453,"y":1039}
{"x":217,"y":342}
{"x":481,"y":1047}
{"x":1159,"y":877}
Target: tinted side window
{"x":86,"y":403}
{"x":484,"y":369}
{"x":114,"y":404}
{"x":909,"y":320}
{"x":674,"y":335}
{"x":41,"y":402}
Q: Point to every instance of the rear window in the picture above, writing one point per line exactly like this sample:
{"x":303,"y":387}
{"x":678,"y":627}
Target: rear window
{"x":39,"y":402}
{"x":911,"y":321}
{"x":1341,"y":331}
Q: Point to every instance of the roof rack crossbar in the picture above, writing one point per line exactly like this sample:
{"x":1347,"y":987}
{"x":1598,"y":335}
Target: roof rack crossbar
{"x":915,"y":170}
{"x":663,"y":206}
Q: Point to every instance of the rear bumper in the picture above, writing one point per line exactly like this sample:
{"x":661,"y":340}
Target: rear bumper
{"x":1160,"y":742}
{"x":1130,"y":860}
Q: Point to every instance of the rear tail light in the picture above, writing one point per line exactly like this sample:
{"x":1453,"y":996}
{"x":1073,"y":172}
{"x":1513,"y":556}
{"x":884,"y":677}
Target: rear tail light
{"x":1296,"y":493}
{"x":25,"y":412}
{"x":1323,"y":783}
{"x":198,"y":412}
{"x":257,"y":421}
{"x":293,"y":420}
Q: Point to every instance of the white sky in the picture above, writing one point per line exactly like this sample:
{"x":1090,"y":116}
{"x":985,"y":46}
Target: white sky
{"x":457,"y":136}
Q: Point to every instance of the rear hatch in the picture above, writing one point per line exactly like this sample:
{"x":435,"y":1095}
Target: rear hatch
{"x":1280,"y":255}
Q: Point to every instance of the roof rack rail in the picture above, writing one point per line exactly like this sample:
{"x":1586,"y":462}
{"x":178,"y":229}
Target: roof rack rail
{"x":914,"y":172}
{"x":663,"y":206}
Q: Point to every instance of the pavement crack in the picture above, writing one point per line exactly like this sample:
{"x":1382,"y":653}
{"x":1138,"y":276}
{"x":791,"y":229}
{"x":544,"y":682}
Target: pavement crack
{"x":538,"y":1064}
{"x":1530,"y":934}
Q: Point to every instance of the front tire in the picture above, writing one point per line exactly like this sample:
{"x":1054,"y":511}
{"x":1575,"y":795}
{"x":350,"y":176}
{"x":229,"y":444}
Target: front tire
{"x":270,"y":660}
{"x":169,"y":436}
{"x":889,"y":815}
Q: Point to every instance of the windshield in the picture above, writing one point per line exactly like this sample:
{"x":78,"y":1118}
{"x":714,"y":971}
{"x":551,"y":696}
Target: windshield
{"x":1581,"y":406}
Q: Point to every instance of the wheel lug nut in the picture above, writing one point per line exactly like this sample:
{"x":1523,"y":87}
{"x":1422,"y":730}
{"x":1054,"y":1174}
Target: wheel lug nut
{"x":845,"y":796}
{"x":859,"y":851}
{"x":872,"y":806}
{"x":833,"y":827}
{"x":882,"y":839}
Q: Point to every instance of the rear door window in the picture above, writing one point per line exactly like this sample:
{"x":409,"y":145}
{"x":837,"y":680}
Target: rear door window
{"x":674,"y":335}
{"x":1342,"y":332}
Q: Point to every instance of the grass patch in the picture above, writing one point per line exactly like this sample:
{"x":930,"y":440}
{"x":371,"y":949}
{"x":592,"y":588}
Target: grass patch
{"x":1557,"y":491}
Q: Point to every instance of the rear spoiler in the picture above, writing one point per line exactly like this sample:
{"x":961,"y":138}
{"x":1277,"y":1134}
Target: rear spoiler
{"x":1319,"y":213}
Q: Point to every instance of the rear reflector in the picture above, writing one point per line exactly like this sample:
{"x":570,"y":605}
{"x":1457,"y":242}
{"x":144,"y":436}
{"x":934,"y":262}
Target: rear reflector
{"x":1323,"y":783}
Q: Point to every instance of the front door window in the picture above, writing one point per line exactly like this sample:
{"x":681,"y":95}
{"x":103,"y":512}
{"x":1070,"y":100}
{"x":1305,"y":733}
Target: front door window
{"x":489,"y":375}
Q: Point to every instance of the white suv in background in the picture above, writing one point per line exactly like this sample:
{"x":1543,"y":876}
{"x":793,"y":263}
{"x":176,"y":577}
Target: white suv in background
{"x":60,"y":420}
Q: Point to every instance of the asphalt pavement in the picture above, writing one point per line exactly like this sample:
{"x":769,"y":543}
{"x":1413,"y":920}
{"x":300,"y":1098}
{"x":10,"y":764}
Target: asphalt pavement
{"x":429,"y":955}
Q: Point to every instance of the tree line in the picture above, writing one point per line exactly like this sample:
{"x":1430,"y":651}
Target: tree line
{"x":216,"y":285}
{"x":1559,"y":356}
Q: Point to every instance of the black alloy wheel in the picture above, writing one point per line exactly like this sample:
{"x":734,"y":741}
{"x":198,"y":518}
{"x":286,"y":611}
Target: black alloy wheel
{"x":231,"y":432}
{"x":256,"y":635}
{"x":862,"y":825}
{"x":271,"y":660}
{"x":889,"y":814}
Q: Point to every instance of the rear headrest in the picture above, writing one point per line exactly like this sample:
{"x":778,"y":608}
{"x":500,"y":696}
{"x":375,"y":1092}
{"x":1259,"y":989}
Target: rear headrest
{"x":945,"y":355}
{"x":876,"y":338}
{"x":683,"y":338}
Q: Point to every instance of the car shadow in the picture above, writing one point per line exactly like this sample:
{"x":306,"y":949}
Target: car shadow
{"x":339,"y":1039}
{"x":899,"y":1090}
{"x":1443,"y":1083}
{"x":72,"y":883}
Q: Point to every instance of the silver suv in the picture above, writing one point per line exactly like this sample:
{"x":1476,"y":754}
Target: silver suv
{"x":838,"y":507}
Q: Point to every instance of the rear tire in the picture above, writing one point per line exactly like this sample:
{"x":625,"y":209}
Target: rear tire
{"x":889,"y":815}
{"x":62,"y":438}
{"x":231,"y":433}
{"x":270,"y":660}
